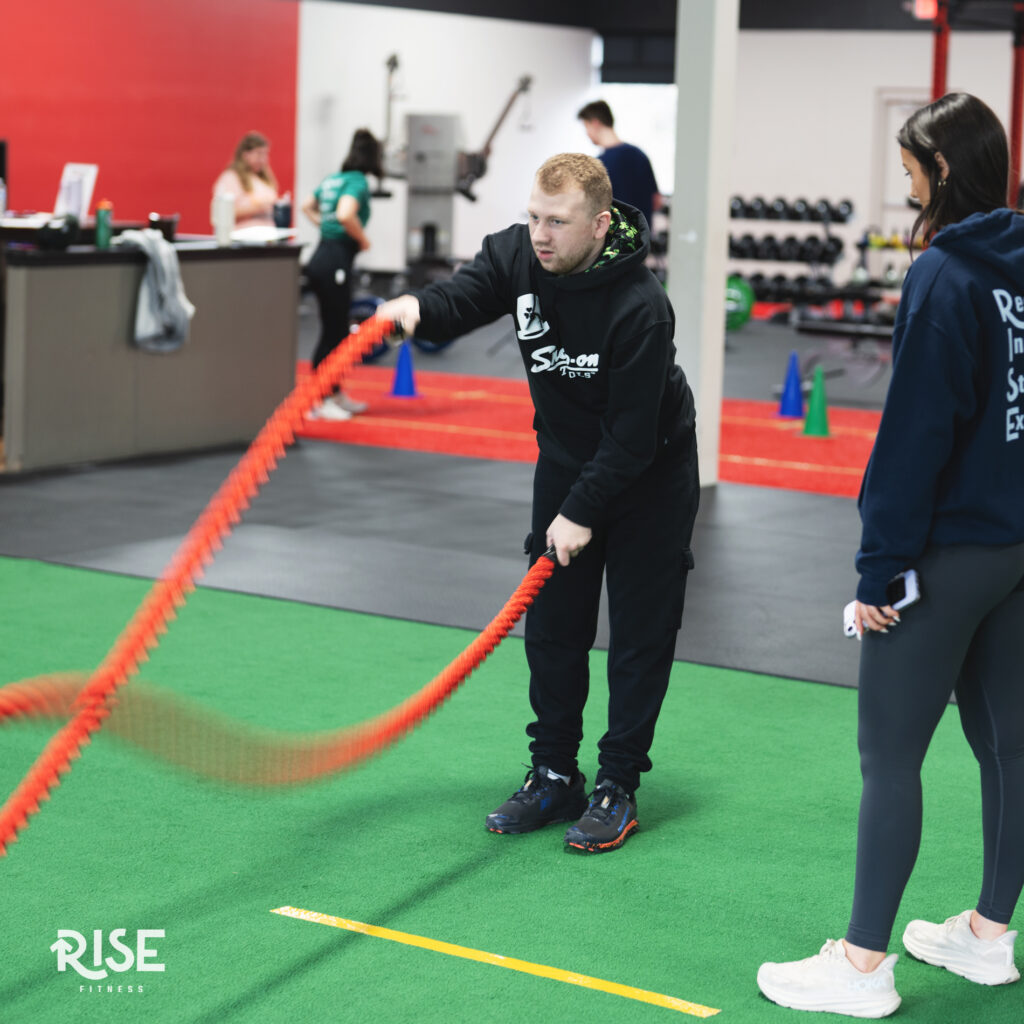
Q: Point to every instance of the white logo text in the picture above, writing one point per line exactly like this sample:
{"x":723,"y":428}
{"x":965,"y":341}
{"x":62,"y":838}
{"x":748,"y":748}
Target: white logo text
{"x":69,"y":953}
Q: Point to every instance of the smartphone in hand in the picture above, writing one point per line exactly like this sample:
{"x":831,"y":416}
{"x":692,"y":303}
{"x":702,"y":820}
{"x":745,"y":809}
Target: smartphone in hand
{"x":900,"y":592}
{"x":903,"y":590}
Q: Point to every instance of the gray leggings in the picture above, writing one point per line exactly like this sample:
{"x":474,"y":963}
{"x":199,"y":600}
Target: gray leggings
{"x":963,"y":636}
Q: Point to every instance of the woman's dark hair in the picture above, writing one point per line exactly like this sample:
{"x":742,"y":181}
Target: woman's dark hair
{"x":365,"y":154}
{"x":972,"y":141}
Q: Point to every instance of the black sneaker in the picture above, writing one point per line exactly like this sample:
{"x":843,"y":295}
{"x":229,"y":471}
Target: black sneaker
{"x":608,"y":821}
{"x":541,"y":800}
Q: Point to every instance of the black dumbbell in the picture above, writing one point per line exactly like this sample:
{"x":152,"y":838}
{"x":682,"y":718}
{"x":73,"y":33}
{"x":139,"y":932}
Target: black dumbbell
{"x":760,"y":285}
{"x":789,"y":248}
{"x":799,"y":286}
{"x":822,"y":210}
{"x":737,"y":207}
{"x":782,"y":288}
{"x":844,"y":210}
{"x":757,"y":208}
{"x":768,"y":248}
{"x":745,"y":247}
{"x":800,"y":209}
{"x":780,"y":209}
{"x":833,"y":249}
{"x":812,"y":249}
{"x":826,"y":286}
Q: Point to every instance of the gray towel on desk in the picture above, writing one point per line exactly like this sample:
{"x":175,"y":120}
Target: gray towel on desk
{"x":163,"y":312}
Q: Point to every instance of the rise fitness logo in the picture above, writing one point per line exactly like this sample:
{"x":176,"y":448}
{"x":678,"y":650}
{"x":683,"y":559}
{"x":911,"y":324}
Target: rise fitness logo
{"x":71,"y":947}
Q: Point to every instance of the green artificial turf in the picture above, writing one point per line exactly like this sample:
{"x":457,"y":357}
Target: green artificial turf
{"x":745,"y":851}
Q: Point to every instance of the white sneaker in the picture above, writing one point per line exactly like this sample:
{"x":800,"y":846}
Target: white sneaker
{"x":329,"y":410}
{"x":829,"y":983}
{"x":954,"y":946}
{"x":350,"y":404}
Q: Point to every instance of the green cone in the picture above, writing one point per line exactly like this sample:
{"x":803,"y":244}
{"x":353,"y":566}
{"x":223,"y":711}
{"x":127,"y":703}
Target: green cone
{"x":816,"y":424}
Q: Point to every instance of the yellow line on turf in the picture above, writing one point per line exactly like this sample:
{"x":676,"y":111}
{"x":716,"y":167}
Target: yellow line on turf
{"x":555,"y":973}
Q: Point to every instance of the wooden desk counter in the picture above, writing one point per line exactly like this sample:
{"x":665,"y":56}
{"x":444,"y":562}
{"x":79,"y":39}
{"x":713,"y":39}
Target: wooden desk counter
{"x":76,"y":388}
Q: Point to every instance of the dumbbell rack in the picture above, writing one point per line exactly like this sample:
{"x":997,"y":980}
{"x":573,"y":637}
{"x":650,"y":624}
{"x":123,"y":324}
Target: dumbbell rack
{"x":818,"y":253}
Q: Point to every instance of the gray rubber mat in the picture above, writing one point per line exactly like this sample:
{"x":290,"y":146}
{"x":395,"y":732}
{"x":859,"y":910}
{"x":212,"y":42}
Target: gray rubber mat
{"x":439,"y":539}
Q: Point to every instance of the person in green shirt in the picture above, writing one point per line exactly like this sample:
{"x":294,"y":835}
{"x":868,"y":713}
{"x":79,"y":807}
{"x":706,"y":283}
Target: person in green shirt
{"x":340,"y":207}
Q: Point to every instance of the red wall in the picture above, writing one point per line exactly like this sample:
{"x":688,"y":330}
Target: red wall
{"x":157,"y":92}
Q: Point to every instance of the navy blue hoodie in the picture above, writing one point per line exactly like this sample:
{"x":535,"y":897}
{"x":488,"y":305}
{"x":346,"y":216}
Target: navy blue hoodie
{"x":948,"y":463}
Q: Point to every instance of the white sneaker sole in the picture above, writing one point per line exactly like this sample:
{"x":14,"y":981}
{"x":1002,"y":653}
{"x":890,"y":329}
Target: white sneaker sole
{"x":882,"y":1006}
{"x":329,"y":416}
{"x":920,"y":949}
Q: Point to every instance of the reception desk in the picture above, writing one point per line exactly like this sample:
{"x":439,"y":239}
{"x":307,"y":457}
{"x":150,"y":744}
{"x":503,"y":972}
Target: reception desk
{"x":75,"y":387}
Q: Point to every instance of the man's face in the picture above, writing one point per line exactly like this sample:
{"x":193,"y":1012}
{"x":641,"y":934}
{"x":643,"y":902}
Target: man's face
{"x":566,"y":236}
{"x":593,"y":129}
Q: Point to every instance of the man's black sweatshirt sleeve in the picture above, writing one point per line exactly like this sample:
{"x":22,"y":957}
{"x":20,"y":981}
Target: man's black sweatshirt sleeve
{"x":474,"y":296}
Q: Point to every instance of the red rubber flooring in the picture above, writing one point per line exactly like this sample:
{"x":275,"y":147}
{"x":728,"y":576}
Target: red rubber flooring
{"x":490,"y":418}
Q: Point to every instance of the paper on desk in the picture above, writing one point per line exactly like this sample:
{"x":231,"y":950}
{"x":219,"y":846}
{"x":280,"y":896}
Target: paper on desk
{"x":260,"y":234}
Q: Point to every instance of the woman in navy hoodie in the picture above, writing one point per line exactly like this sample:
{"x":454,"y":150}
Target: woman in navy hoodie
{"x":943,"y":494}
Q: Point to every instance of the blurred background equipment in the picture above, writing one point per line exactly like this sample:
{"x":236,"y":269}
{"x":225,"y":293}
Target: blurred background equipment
{"x":436,"y":169}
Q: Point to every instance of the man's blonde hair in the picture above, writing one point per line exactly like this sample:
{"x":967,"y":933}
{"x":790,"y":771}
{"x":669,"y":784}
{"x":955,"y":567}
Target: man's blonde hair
{"x":566,"y":171}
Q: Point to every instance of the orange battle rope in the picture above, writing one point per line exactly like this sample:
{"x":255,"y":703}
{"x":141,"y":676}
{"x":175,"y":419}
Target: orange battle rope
{"x":95,"y":701}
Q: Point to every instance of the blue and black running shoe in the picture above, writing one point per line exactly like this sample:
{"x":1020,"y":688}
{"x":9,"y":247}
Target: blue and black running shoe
{"x":607,"y":822}
{"x":541,"y":800}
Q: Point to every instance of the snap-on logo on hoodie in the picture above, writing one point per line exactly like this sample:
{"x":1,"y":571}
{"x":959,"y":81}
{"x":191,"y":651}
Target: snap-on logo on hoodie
{"x":557,"y":360}
{"x":531,"y":323}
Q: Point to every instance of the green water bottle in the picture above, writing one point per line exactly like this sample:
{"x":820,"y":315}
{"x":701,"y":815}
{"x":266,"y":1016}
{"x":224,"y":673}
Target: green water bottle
{"x":104,"y":214}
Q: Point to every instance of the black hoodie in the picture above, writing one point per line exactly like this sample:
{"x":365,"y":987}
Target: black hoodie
{"x":608,"y":396}
{"x":948,"y":462}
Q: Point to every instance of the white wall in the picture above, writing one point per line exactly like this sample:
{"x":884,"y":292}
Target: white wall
{"x":806,"y":114}
{"x":805,"y":108}
{"x":645,"y":115}
{"x":448,"y":64}
{"x":805,"y":101}
{"x":806,"y":111}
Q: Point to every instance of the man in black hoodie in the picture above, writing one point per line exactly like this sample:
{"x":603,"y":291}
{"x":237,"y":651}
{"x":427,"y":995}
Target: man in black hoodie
{"x":615,"y":487}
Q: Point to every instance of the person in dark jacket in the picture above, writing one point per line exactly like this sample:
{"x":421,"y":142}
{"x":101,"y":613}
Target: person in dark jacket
{"x":943,"y":494}
{"x":615,"y":486}
{"x":628,"y":166}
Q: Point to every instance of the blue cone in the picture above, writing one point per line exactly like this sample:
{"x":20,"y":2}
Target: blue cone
{"x":792,"y":403}
{"x":404,"y":386}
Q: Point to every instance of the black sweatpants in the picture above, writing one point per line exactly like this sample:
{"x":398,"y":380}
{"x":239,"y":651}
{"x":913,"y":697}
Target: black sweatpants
{"x":962,"y":635}
{"x":644,"y":546}
{"x":329,"y":272}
